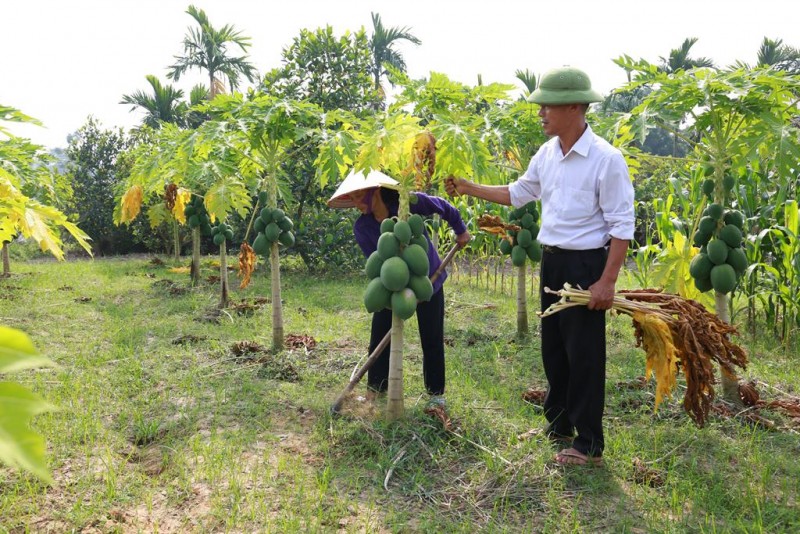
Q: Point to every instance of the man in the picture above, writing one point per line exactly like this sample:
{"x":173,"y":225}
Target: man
{"x":587,"y":221}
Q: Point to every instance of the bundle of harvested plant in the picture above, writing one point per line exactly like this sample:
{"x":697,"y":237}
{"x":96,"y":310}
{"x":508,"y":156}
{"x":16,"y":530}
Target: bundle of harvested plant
{"x":674,"y":332}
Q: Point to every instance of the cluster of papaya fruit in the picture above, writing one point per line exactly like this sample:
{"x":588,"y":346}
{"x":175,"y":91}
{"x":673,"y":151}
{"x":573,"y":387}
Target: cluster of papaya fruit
{"x":221,"y":233}
{"x":721,"y":260}
{"x":197,"y":216}
{"x":398,"y":269}
{"x":272,"y":225}
{"x":523,"y":244}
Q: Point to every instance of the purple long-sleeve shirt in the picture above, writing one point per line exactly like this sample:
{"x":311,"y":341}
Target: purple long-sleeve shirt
{"x":367,"y":230}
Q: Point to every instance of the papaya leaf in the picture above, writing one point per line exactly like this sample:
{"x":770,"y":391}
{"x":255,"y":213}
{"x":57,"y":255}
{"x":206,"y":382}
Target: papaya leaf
{"x":158,"y":214}
{"x":20,"y":446}
{"x":671,"y":273}
{"x":17,"y":352}
{"x":34,"y":224}
{"x":181,"y":200}
{"x":131,"y":203}
{"x":458,"y":151}
{"x":335,"y":156}
{"x":226,"y":195}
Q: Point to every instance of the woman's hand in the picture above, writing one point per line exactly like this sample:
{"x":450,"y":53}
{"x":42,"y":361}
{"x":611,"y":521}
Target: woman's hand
{"x":463,"y":239}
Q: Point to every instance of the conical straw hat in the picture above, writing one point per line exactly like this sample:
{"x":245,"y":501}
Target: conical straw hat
{"x":356,"y":181}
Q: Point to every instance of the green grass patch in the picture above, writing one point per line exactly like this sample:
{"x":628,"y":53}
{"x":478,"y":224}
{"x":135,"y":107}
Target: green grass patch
{"x":172,"y":421}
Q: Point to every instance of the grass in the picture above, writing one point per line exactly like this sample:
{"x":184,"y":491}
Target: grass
{"x":162,"y":427}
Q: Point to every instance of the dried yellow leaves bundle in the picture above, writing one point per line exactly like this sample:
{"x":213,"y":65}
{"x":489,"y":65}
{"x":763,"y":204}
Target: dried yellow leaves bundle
{"x":675,"y":333}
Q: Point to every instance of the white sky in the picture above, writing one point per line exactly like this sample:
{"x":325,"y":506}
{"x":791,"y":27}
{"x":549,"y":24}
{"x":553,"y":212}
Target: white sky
{"x":63,"y":60}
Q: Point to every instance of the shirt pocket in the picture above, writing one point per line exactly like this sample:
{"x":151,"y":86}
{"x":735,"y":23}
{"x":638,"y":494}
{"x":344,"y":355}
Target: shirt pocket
{"x":577,"y":204}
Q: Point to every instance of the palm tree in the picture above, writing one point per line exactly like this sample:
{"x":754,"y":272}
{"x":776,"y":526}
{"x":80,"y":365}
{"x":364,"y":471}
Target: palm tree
{"x":528,"y":79}
{"x":775,"y":54}
{"x":679,"y":58}
{"x":382,"y":42}
{"x":206,"y":48}
{"x":163,"y":105}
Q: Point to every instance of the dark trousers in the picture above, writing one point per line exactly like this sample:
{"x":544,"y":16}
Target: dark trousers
{"x":574,"y":351}
{"x":430,"y":320}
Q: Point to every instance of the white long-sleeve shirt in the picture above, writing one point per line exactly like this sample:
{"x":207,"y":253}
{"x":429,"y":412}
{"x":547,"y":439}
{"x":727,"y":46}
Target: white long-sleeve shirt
{"x":587,"y":195}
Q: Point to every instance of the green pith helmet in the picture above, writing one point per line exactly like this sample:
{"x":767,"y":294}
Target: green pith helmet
{"x":565,"y":85}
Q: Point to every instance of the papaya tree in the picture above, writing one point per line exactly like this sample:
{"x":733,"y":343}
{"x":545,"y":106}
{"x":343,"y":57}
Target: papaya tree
{"x":164,"y":105}
{"x":157,"y":182}
{"x":510,"y":129}
{"x":214,"y":167}
{"x":264,"y":132}
{"x":519,"y":136}
{"x":736,"y":121}
{"x":439,"y":96}
{"x":21,"y":168}
{"x":398,"y":144}
{"x":213,"y":187}
{"x":519,"y":241}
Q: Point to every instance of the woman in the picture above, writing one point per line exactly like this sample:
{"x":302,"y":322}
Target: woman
{"x":376,"y":197}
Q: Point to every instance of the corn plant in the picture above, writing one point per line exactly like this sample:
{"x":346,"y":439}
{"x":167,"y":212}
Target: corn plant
{"x":777,"y":251}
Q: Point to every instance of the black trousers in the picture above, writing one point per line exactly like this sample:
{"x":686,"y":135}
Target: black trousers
{"x":430,"y":320}
{"x":574,"y":351}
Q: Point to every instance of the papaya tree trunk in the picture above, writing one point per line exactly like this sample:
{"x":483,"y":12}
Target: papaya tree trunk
{"x":395,"y":408}
{"x":277,"y":306}
{"x":730,"y":387}
{"x":176,"y":240}
{"x":195,"y":270}
{"x":223,"y":275}
{"x":522,"y":303}
{"x":6,"y":261}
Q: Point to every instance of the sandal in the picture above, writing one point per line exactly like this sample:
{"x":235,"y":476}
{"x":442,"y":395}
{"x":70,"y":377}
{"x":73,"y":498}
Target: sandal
{"x":575,"y":457}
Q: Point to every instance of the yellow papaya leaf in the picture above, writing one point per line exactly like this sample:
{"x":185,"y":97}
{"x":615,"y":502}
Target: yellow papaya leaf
{"x":247,"y":264}
{"x":32,"y":224}
{"x":80,"y":236}
{"x":131,"y":203}
{"x":181,"y":199}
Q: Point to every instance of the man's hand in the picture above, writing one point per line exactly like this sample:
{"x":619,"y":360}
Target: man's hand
{"x":452,"y":185}
{"x":602,"y":295}
{"x":462,"y":240}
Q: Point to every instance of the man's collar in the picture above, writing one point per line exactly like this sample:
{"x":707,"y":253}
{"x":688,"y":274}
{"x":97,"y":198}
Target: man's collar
{"x":583,"y":143}
{"x":581,"y":146}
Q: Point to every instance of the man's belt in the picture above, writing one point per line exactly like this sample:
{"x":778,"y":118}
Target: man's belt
{"x":550,"y":249}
